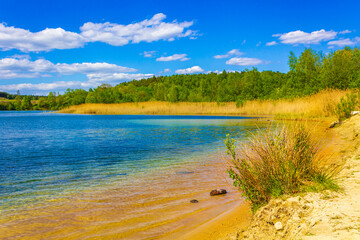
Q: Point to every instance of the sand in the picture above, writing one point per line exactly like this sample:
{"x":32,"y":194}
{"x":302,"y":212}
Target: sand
{"x":322,"y":215}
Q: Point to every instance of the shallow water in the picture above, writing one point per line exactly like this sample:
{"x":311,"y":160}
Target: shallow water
{"x":85,"y":176}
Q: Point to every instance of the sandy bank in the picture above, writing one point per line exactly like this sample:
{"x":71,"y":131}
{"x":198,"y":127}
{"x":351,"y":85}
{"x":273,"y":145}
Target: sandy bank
{"x":324,"y":215}
{"x":224,"y":226}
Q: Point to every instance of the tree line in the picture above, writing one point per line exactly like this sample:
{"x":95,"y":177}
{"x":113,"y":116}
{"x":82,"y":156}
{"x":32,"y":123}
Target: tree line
{"x":309,"y":73}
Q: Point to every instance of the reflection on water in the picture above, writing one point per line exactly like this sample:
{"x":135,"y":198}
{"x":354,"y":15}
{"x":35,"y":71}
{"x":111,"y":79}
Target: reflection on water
{"x":77,"y":169}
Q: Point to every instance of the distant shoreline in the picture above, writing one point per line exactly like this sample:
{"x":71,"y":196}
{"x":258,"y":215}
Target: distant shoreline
{"x":314,"y":107}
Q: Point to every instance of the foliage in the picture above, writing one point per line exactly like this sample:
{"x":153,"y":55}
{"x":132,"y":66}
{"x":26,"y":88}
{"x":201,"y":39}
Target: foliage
{"x":277,"y":162}
{"x":309,"y":73}
{"x":346,"y":105}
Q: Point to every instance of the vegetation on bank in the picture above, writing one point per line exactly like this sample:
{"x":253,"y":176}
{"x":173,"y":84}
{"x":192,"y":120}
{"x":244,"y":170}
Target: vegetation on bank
{"x":317,"y":106}
{"x":309,"y":73}
{"x":283,"y":161}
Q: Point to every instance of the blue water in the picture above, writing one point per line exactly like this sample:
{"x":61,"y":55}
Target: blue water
{"x":45,"y":155}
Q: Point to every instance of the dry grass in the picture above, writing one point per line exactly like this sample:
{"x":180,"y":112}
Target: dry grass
{"x":318,"y":106}
{"x":281,"y":161}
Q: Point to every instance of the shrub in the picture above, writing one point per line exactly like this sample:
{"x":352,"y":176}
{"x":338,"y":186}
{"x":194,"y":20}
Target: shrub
{"x":277,"y":162}
{"x":240,"y":102}
{"x":346,"y":105}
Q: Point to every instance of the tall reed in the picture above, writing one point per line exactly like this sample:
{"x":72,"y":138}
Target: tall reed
{"x":319,"y":105}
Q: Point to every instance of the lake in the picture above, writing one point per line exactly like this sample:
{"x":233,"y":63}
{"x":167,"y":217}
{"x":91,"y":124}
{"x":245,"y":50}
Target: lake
{"x":66,"y":176}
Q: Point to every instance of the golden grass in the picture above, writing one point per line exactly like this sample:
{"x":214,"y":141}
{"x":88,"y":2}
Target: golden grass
{"x":282,"y":161}
{"x":319,"y":105}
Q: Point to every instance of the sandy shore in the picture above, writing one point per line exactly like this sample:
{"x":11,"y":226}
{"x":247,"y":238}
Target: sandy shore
{"x":323,"y":215}
{"x":225,"y":226}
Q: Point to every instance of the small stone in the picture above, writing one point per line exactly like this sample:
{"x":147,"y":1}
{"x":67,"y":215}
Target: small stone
{"x":278,"y":226}
{"x":334,"y":124}
{"x":217,"y":192}
{"x":194,"y":201}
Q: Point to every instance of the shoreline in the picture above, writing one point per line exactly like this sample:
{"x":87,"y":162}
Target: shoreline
{"x":310,"y":215}
{"x":224,"y":226}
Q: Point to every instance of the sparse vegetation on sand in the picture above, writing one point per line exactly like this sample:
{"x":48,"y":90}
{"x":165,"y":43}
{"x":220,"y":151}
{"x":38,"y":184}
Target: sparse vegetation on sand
{"x":279,"y":161}
{"x":317,"y":215}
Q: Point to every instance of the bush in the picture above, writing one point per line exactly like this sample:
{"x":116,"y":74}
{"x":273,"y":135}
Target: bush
{"x":346,"y":105}
{"x":240,"y":102}
{"x":277,"y":162}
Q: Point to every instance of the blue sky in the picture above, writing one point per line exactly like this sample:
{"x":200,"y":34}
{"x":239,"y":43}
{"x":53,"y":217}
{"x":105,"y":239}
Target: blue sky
{"x":54,"y":45}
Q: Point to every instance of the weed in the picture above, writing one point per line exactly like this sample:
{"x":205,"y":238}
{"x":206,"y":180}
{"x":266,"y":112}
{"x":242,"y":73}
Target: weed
{"x":278,"y":162}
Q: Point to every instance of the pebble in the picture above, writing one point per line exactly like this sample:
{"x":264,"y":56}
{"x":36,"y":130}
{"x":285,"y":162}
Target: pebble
{"x":278,"y":226}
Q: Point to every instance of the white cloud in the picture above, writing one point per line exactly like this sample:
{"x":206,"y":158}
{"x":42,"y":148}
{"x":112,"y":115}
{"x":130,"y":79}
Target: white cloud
{"x":82,"y":68}
{"x":300,"y":37}
{"x":234,"y":52}
{"x":45,"y":40}
{"x":244,"y":61}
{"x":111,"y":77}
{"x":94,"y":80}
{"x":345,"y":32}
{"x":59,"y":85}
{"x":148,"y":54}
{"x":148,"y":30}
{"x":344,"y":42}
{"x":194,"y":69}
{"x":271,"y":43}
{"x":25,"y":68}
{"x":166,"y":70}
{"x":258,"y":44}
{"x":175,"y":57}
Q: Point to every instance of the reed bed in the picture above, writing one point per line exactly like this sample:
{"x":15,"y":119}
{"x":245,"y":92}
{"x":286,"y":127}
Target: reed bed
{"x":319,"y":105}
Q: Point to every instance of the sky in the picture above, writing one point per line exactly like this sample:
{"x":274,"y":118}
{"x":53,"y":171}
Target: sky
{"x":55,"y":45}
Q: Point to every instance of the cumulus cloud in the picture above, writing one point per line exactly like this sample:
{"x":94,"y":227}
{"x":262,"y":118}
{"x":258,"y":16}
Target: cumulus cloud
{"x":148,"y":30}
{"x":96,"y":74}
{"x":194,"y":69}
{"x":300,"y":37}
{"x":94,"y":80}
{"x":271,"y":43}
{"x":344,"y":42}
{"x":234,"y":52}
{"x":242,"y":61}
{"x":25,"y":68}
{"x":45,"y":40}
{"x":175,"y":57}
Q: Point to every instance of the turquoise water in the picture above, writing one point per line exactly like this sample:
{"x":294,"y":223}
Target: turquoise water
{"x":44,"y":156}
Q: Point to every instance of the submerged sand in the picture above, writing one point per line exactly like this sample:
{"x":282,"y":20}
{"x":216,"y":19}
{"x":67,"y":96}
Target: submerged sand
{"x":324,"y":215}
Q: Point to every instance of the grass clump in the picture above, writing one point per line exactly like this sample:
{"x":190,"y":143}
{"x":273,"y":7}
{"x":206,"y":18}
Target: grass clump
{"x":346,"y":105}
{"x":278,"y":162}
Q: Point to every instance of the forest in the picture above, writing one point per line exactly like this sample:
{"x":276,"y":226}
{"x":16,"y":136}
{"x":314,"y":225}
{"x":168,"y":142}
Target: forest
{"x":308,"y":73}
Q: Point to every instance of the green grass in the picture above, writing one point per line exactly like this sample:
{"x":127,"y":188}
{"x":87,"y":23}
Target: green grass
{"x":277,"y":162}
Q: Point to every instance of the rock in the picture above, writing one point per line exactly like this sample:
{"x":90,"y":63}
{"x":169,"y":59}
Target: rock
{"x":334,"y":124}
{"x":194,"y":201}
{"x":355,"y":112}
{"x":217,"y":192}
{"x":278,"y":226}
